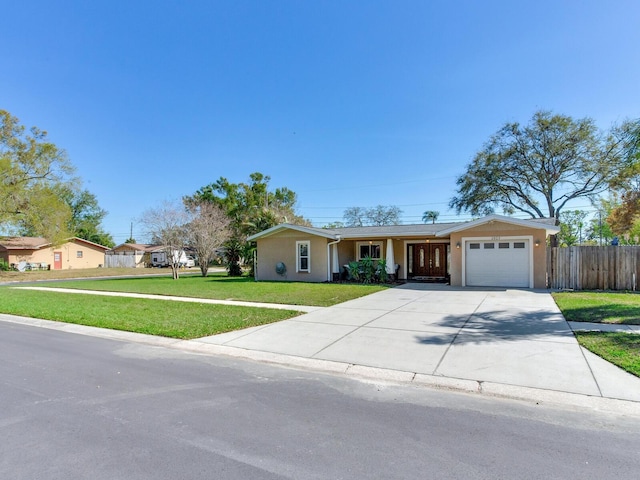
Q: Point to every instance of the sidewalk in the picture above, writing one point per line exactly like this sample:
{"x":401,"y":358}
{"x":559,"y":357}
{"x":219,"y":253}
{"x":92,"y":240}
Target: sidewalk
{"x":238,"y":303}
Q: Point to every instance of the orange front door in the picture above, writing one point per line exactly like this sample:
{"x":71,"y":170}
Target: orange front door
{"x":57,"y":260}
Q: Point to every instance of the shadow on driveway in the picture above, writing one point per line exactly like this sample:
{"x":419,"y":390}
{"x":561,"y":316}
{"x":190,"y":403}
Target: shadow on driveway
{"x":501,"y":325}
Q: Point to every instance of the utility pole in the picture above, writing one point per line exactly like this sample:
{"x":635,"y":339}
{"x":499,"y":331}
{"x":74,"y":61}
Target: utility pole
{"x":600,"y":226}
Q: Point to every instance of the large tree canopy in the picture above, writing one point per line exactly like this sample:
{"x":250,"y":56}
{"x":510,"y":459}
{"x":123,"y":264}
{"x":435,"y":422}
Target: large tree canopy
{"x":32,"y":171}
{"x":538,"y":168}
{"x":251,"y":206}
{"x":39,"y":196}
{"x":626,"y":185}
{"x":82,"y":213}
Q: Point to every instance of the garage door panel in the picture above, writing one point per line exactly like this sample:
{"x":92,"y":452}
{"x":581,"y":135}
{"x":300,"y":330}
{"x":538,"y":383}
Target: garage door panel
{"x":497,"y":263}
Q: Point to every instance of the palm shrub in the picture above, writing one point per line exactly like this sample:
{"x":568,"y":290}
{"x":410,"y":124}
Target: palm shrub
{"x":381,"y":271}
{"x":232,"y":253}
{"x":354,"y":271}
{"x":368,"y":269}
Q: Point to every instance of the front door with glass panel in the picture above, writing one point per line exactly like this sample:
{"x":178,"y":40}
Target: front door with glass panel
{"x":427,"y":259}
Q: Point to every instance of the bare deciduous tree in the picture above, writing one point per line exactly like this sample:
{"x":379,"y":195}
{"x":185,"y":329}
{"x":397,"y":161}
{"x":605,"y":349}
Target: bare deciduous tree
{"x":379,"y":215}
{"x":167,"y":226}
{"x":208,"y":230}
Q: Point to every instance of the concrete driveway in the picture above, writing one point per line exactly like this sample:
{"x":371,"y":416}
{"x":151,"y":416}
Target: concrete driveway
{"x":502,"y":336}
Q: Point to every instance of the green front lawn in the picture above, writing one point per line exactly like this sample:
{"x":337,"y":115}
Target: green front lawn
{"x":599,"y":307}
{"x":154,"y":317}
{"x":221,"y":287}
{"x":620,"y":348}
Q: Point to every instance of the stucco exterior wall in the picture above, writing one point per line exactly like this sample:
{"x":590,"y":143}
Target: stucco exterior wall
{"x":497,"y":229}
{"x":92,"y":257}
{"x":281,"y":247}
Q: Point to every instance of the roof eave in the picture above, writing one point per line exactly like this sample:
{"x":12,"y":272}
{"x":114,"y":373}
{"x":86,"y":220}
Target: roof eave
{"x":286,"y":226}
{"x":549,"y":229}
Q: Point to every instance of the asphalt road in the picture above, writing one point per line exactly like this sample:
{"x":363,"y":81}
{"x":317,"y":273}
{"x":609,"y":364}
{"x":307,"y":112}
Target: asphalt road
{"x":78,"y":407}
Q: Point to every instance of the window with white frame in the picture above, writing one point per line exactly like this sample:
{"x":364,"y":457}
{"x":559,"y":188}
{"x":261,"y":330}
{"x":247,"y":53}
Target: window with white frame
{"x":303,"y":256}
{"x":369,"y":249}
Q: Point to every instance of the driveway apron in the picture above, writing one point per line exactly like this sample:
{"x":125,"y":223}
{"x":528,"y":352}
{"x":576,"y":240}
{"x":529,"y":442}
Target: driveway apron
{"x":514,"y":337}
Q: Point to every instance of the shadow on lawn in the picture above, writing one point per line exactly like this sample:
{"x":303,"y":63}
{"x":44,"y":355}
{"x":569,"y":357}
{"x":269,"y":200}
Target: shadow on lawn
{"x":613,"y":313}
{"x":499,"y":326}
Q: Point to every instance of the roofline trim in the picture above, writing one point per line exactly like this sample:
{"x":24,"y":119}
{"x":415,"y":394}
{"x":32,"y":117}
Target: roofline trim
{"x":550,"y":229}
{"x":287,"y":226}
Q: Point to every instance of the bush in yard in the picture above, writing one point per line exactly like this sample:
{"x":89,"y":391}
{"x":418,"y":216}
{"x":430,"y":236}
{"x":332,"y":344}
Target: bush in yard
{"x":367,"y":270}
{"x":354,"y":271}
{"x":232,"y":252}
{"x":381,"y":271}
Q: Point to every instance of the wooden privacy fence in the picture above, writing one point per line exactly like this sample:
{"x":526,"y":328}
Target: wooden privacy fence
{"x":114,"y":260}
{"x":593,"y":268}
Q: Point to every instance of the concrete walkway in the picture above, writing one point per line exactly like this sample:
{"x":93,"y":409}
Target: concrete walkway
{"x":238,"y":303}
{"x":435,"y":332}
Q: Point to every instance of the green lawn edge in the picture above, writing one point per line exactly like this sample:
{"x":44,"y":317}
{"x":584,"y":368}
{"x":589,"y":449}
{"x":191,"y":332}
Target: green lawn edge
{"x":164,"y":318}
{"x":223,"y":287}
{"x":620,"y":348}
{"x":599,"y":307}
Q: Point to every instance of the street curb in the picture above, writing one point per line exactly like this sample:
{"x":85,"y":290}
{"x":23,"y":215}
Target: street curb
{"x":361,"y":372}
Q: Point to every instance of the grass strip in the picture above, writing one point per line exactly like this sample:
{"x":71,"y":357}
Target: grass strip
{"x":222,"y":287}
{"x":620,"y":348}
{"x":154,"y":317}
{"x":600,"y":307}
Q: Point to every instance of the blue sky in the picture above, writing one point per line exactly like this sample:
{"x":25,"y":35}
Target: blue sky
{"x":348,"y":103}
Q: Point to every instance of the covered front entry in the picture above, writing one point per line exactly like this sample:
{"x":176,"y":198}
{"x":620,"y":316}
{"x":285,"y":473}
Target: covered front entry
{"x":427,"y":261}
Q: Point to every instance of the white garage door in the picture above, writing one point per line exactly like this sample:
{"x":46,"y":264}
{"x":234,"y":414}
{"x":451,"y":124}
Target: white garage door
{"x":503,"y":263}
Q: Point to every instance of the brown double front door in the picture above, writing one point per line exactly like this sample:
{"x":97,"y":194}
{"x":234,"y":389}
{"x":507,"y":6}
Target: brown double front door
{"x":427,"y":259}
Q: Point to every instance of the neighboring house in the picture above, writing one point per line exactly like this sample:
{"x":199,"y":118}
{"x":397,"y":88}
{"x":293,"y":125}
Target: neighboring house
{"x":492,"y":251}
{"x":128,"y":255}
{"x":40,"y":253}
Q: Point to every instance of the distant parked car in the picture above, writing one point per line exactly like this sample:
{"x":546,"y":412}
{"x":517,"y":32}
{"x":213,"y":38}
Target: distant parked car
{"x":190,"y":262}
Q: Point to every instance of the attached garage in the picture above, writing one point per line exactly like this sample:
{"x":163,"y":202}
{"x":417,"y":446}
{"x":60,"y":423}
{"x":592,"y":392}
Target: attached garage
{"x":498,"y":251}
{"x":506,"y":262}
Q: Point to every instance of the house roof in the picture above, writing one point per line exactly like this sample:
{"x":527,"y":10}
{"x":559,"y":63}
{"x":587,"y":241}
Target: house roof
{"x":23,"y":243}
{"x":141,"y":247}
{"x":36,"y":243}
{"x":92,"y":244}
{"x":321,"y":232}
{"x":434,"y":229}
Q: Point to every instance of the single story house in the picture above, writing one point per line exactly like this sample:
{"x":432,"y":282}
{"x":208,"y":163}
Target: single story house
{"x":128,"y":255}
{"x":38,"y":252}
{"x":494,"y":250}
